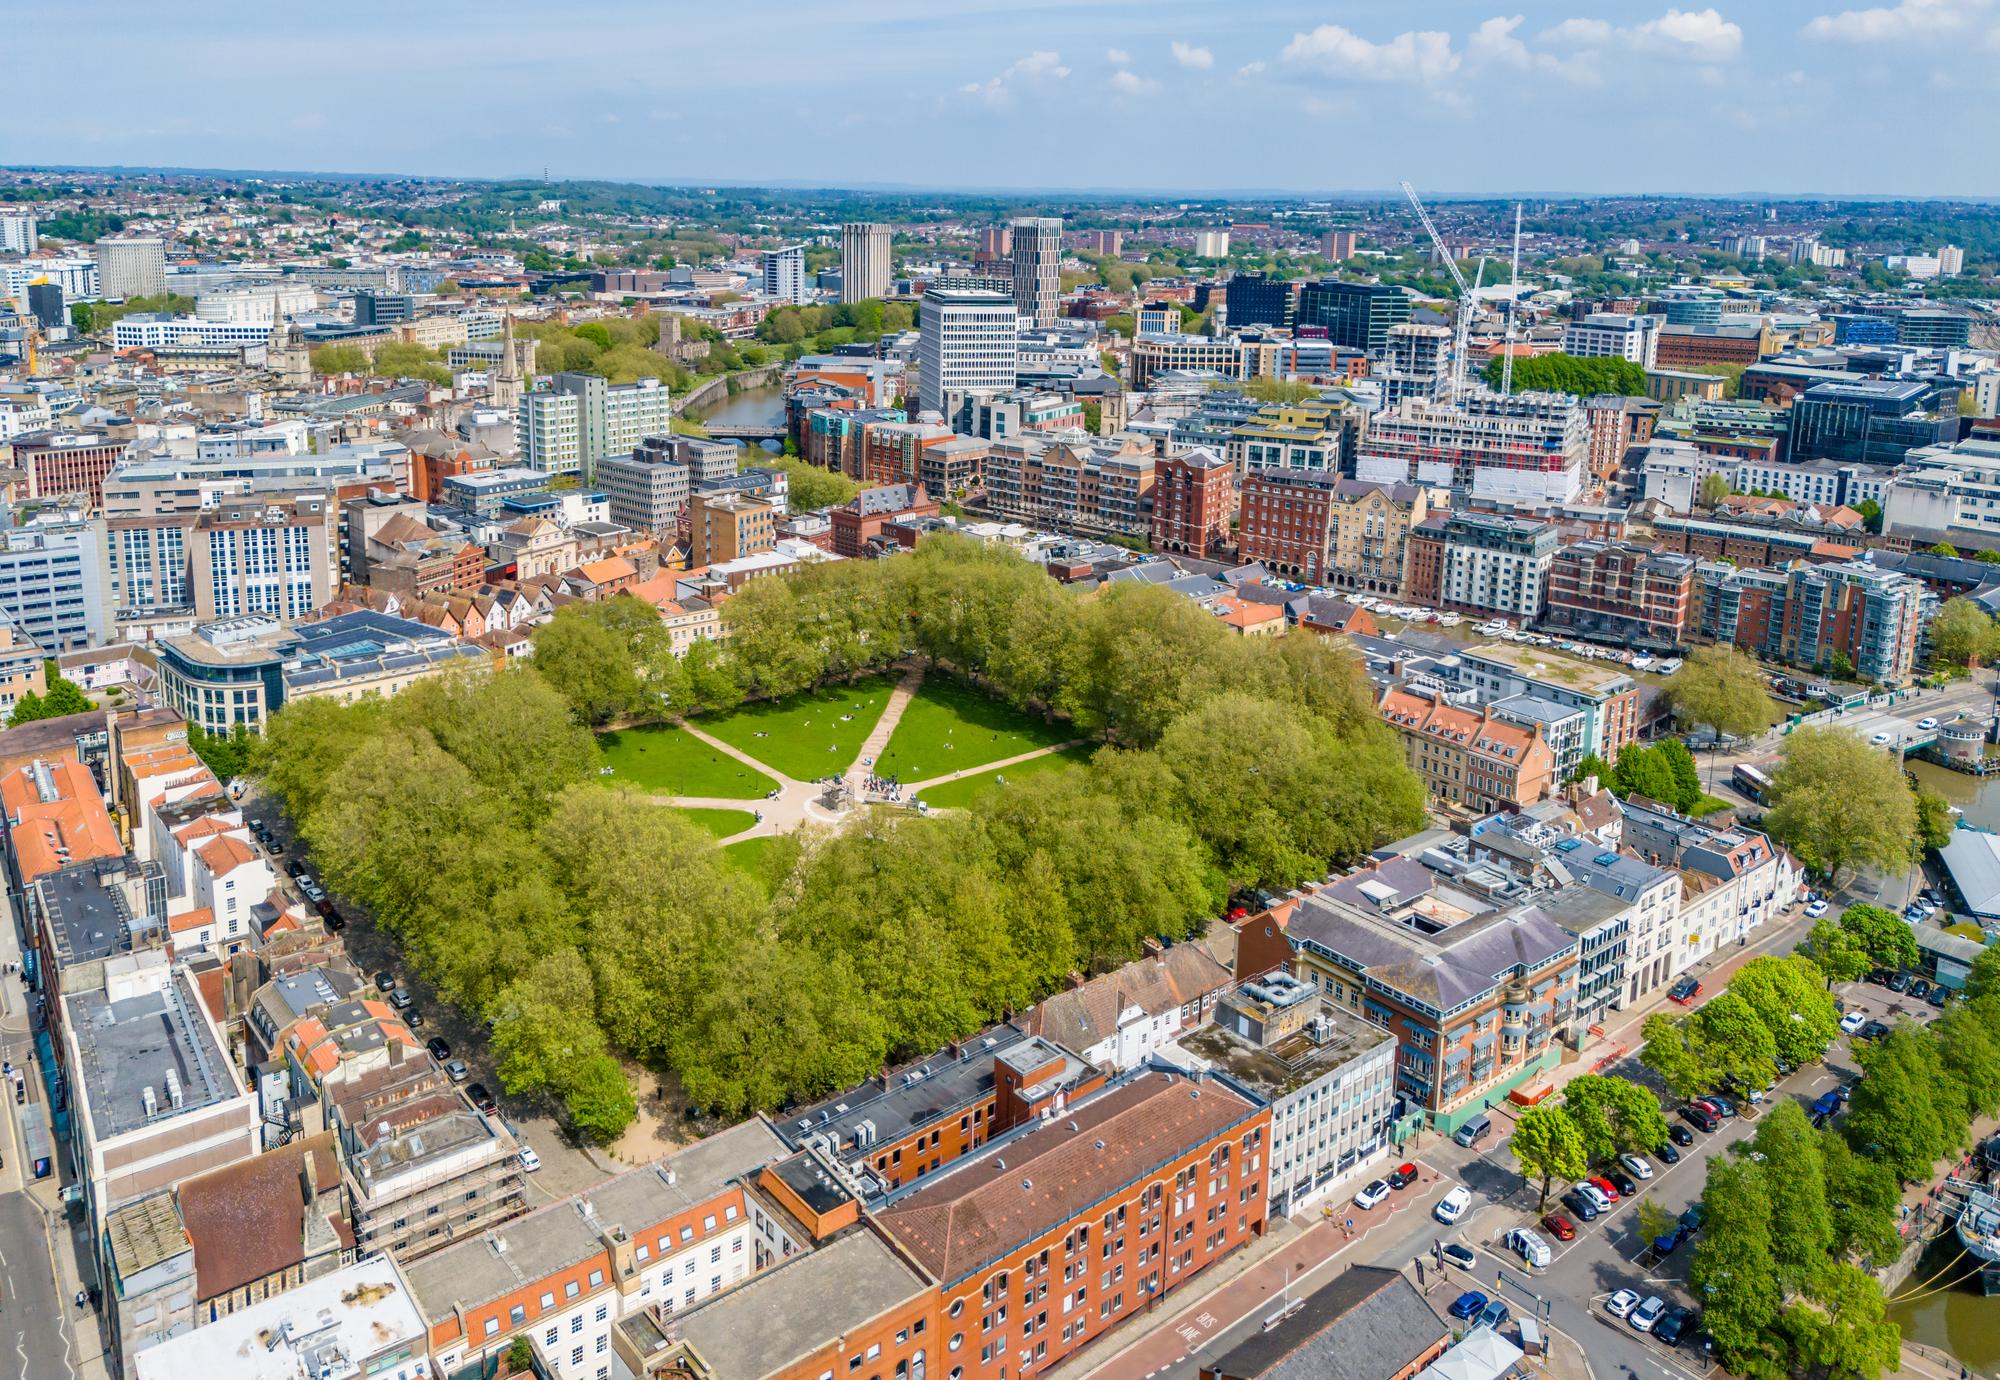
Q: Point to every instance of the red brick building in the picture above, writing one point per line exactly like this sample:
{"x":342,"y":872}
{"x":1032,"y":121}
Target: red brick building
{"x":893,"y":452}
{"x":1194,"y":496}
{"x":1046,"y":1239}
{"x":1286,"y":520}
{"x":1622,"y":592}
{"x":857,"y":523}
{"x":61,"y":463}
{"x":1426,"y":585}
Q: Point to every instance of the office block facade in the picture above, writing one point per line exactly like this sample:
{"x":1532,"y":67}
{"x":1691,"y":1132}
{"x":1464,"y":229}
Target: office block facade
{"x":1037,"y":256}
{"x":1355,"y":316}
{"x":966,"y":344}
{"x":864,"y":260}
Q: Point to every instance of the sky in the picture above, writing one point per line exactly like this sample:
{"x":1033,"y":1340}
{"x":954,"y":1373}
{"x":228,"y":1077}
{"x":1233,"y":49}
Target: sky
{"x":1534,"y":96}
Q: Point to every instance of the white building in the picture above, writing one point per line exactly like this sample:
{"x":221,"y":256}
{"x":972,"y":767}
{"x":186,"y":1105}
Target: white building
{"x":785,"y":274}
{"x":151,"y":331}
{"x":241,"y":306}
{"x":132,"y":267}
{"x":1530,"y":447}
{"x":76,"y":277}
{"x":1614,"y":335}
{"x":1120,"y":1019}
{"x":864,"y":260}
{"x":1331,"y":1085}
{"x":1497,"y":564}
{"x":577,"y":421}
{"x":1734,"y":880}
{"x":1211,"y":244}
{"x":18,"y":232}
{"x":1951,"y":260}
{"x":967,"y":345}
{"x":360,"y":1321}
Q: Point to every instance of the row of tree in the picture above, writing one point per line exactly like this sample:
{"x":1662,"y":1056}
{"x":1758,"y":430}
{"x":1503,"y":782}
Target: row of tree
{"x":585,"y":923}
{"x":1775,"y":1010}
{"x":1560,"y":373}
{"x":1665,"y":772}
{"x":1597,"y":1120}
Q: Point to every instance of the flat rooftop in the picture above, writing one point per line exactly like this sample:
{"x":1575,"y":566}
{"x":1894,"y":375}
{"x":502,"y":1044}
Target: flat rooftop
{"x":1553,"y":668}
{"x":1277,"y":1071}
{"x":88,"y":919}
{"x":778,"y":1318}
{"x":328,"y":1326}
{"x":136,"y":1042}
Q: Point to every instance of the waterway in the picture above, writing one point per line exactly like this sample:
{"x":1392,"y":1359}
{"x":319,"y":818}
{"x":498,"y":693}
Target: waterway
{"x":751,"y":407}
{"x":1958,"y":1320}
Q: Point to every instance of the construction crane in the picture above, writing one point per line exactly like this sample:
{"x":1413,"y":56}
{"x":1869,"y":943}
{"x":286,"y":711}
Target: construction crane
{"x":1513,"y":305}
{"x":1463,"y":333}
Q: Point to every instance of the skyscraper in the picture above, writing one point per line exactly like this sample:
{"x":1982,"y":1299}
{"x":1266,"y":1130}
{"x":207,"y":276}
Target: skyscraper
{"x":131,"y":268}
{"x":1038,"y":268}
{"x":967,"y":345}
{"x":785,"y":273}
{"x":864,"y":260}
{"x":18,"y":232}
{"x":1357,"y":316}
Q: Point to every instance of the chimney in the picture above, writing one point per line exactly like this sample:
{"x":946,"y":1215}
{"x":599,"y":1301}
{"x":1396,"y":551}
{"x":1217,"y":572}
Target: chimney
{"x":1075,"y":980}
{"x":1151,"y":947}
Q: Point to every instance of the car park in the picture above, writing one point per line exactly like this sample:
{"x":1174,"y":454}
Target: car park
{"x":1605,"y":1188}
{"x":1403,"y":1176}
{"x":1371,"y":1195}
{"x":1559,"y":1226}
{"x":1675,"y":1324}
{"x":1646,"y":1314}
{"x":1680,"y":1135}
{"x":1452,"y":1206}
{"x":1853,"y":1021}
{"x":1636,"y":1166}
{"x":1493,"y":1315}
{"x":1467,"y":1305}
{"x":1581,"y":1206}
{"x":1530,"y":1247}
{"x":1685,"y":991}
{"x":1665,"y":1152}
{"x":439,"y":1048}
{"x":1622,"y":1303}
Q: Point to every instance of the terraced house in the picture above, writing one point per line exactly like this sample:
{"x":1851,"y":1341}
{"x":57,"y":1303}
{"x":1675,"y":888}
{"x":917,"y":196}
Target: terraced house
{"x":1478,"y":998}
{"x":1470,"y":757}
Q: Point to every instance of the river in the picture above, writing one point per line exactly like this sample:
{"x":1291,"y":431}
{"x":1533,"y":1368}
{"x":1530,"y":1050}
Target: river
{"x":1958,"y":1320}
{"x":751,"y":407}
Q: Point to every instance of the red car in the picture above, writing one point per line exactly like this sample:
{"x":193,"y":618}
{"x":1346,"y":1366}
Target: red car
{"x":1559,"y":1227}
{"x":1404,"y":1176}
{"x":1606,"y":1187}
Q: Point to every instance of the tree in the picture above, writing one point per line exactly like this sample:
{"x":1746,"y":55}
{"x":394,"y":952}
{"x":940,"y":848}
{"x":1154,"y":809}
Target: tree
{"x":1841,"y":667}
{"x":589,"y":664}
{"x":1943,"y":548}
{"x":1801,"y":1223}
{"x":1548,"y":1146}
{"x":1671,"y":1053}
{"x":1982,"y":981}
{"x":1871,"y":514}
{"x":545,"y":1030}
{"x":1836,"y":952}
{"x":1714,"y":488}
{"x":1734,"y":1273}
{"x":1864,"y":1199}
{"x":1842,"y":1326}
{"x":1897,"y":1113}
{"x":1789,"y":997}
{"x":1614,"y":1115}
{"x":599,"y":1101}
{"x":228,"y":755}
{"x":1840,"y":804}
{"x":1561,"y":373}
{"x":1722,"y":690}
{"x":1968,"y":1044}
{"x":1963,"y":633}
{"x":340,"y":359}
{"x":60,"y":697}
{"x":1687,"y":777}
{"x":1883,"y":935}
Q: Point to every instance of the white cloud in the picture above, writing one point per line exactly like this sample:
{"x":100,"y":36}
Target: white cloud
{"x":1250,"y":69}
{"x":1117,"y":55}
{"x":998,"y":92}
{"x":1494,"y":44}
{"x":1127,"y":83}
{"x":1193,"y":58}
{"x":1413,"y":56}
{"x":1905,"y":22}
{"x":1693,"y":35}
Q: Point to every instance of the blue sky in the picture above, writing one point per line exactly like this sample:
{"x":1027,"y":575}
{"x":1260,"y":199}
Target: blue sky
{"x":1533,"y":96}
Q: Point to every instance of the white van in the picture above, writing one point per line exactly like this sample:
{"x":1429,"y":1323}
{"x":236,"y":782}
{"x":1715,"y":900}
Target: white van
{"x":1452,"y":1206}
{"x":1530,"y":1247}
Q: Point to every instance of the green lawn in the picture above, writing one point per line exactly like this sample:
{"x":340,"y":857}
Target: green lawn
{"x":962,"y":792}
{"x":804,"y":736}
{"x":950,"y":727}
{"x":661,"y":760}
{"x":721,"y":823}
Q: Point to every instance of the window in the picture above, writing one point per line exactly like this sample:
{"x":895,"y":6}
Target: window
{"x":576,"y":1324}
{"x":517,"y":1315}
{"x":572,"y":1289}
{"x":603,"y":1311}
{"x":596,"y":1278}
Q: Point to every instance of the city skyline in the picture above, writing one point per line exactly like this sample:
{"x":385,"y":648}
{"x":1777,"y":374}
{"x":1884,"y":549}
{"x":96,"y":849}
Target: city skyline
{"x":980,"y":95}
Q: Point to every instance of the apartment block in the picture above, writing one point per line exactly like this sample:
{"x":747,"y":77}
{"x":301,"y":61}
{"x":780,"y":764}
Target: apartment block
{"x":1286,"y":521}
{"x":1037,"y":263}
{"x":1470,"y":758}
{"x":1607,"y":696}
{"x":1371,"y":527}
{"x":1807,"y":614}
{"x":1498,"y":565}
{"x":1529,"y":447}
{"x":1621,"y":593}
{"x":1615,"y":335}
{"x":1100,"y":488}
{"x":728,"y":527}
{"x":864,"y":260}
{"x":1194,"y":498}
{"x":966,"y":344}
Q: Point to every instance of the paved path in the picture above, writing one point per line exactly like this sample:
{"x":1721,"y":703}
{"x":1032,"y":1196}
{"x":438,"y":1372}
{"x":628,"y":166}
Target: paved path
{"x":884,"y":730}
{"x":1000,"y":765}
{"x":797,"y":802}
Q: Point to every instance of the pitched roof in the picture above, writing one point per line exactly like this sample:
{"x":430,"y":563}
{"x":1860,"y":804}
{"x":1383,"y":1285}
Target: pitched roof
{"x":58,"y":817}
{"x":225,"y":854}
{"x":1366,"y":1321}
{"x":956,"y":1221}
{"x":1083,"y":1016}
{"x":247,"y":1220}
{"x":189,"y":921}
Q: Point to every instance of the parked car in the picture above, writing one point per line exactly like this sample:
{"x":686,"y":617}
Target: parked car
{"x":1720,"y":1105}
{"x":1530,"y":1247}
{"x":1627,"y":1186}
{"x":1403,"y":1176}
{"x":1679,"y":1134}
{"x":1827,"y":1103}
{"x":1685,"y":991}
{"x":413,"y":1018}
{"x":1815,"y":909}
{"x":1691,"y":1220}
{"x":1621,"y":1304}
{"x":296,"y":868}
{"x":1666,"y":1243}
{"x":1636,"y":1165}
{"x":1493,"y":1315}
{"x":1467,"y":1305}
{"x":482,"y":1099}
{"x":1940,"y":994}
{"x":1580,"y":1206}
{"x":1665,"y":1152}
{"x":401,"y":999}
{"x":1700,"y":1116}
{"x":1605,"y":1188}
{"x":1559,"y":1226}
{"x":439,"y":1048}
{"x":1853,"y":1021}
{"x":385,"y":982}
{"x":1452,"y":1206}
{"x":1874,"y":1030}
{"x":1452,"y":1253}
{"x":1920,"y":990}
{"x":456,"y":1070}
{"x":530,"y":1161}
{"x":335,"y":921}
{"x":1646,"y":1314}
{"x":1674,"y":1324}
{"x":1595,"y":1195}
{"x":1899,"y":982}
{"x":1371,"y":1195}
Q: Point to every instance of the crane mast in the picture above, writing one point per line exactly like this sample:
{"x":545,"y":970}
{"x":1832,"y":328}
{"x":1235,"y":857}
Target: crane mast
{"x":1465,"y":303}
{"x":1513,"y":305}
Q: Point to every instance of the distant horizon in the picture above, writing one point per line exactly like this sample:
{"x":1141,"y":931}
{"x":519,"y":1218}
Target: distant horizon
{"x":1816,"y":99}
{"x":1356,"y":194}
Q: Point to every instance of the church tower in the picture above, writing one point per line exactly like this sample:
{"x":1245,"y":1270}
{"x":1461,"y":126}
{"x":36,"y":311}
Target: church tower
{"x":284,"y":354}
{"x":507,"y":378}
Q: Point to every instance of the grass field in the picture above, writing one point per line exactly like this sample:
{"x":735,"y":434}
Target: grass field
{"x":805,"y":736}
{"x":950,"y":727}
{"x":747,"y":856}
{"x":661,"y":760}
{"x":957,"y":794}
{"x":721,"y":823}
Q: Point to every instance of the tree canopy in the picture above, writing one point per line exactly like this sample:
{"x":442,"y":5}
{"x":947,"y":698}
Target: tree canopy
{"x":1561,"y":373}
{"x":1840,"y":803}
